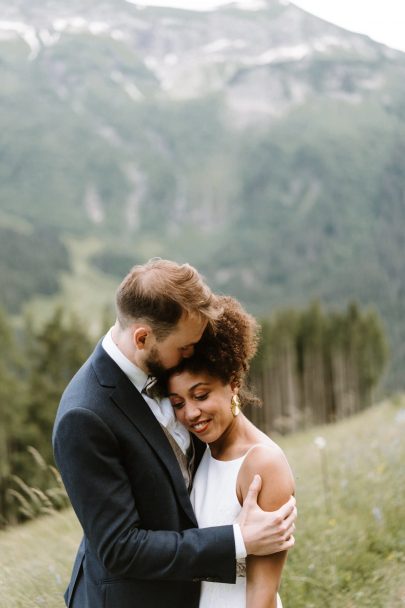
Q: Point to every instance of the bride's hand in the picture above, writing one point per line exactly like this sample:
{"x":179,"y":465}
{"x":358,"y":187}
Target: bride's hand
{"x":266,"y":532}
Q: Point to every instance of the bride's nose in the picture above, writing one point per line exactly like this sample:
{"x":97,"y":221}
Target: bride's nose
{"x":193,"y":412}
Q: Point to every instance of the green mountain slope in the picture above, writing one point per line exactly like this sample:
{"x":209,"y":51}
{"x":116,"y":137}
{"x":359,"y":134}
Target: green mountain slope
{"x":264,"y":146}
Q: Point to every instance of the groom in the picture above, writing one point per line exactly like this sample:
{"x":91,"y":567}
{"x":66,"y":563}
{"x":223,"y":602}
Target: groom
{"x":127,"y":464}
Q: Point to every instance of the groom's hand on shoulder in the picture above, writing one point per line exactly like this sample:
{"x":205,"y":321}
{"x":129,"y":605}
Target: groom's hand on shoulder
{"x":266,"y":532}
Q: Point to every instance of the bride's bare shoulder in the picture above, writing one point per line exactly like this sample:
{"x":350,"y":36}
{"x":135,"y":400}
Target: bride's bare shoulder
{"x":268,"y":460}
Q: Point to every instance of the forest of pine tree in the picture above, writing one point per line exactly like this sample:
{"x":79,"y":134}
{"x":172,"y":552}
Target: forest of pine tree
{"x":316,"y":367}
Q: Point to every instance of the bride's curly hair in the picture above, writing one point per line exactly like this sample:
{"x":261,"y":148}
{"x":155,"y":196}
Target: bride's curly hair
{"x":225,"y":349}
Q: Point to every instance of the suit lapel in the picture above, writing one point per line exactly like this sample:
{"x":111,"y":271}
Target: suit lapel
{"x":128,"y":399}
{"x":199,"y":449}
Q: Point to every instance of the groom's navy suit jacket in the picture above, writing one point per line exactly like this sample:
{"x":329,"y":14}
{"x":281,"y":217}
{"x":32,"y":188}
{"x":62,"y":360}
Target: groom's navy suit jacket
{"x":141,"y":546}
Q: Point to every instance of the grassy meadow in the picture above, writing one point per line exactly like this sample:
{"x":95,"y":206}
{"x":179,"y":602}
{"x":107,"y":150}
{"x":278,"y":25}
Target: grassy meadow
{"x":350,"y":539}
{"x":36,"y":559}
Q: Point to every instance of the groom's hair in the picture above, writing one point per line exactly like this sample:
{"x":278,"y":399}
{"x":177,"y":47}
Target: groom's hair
{"x":160,"y":292}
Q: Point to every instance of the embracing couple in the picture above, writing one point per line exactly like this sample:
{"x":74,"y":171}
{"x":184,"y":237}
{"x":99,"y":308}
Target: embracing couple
{"x":183,"y":502}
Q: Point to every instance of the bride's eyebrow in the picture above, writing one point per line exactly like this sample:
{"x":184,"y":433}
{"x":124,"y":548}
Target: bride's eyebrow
{"x":192,"y":388}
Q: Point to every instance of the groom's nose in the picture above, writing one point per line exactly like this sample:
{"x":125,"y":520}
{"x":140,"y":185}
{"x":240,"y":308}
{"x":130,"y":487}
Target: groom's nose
{"x":187,"y":351}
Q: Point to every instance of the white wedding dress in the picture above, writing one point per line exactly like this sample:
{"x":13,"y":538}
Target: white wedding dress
{"x":215,"y":503}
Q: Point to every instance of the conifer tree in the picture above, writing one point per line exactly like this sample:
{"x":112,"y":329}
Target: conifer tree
{"x":315,"y":367}
{"x":10,"y":409}
{"x":56,"y":352}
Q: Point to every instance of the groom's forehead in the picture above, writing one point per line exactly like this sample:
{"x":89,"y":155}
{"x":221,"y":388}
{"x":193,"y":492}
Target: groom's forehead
{"x":190,"y":328}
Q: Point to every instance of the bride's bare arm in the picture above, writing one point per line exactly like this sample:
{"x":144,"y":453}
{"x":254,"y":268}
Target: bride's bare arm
{"x":264,"y":573}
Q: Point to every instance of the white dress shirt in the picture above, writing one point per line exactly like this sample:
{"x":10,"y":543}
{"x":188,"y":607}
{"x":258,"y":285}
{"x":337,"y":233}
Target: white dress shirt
{"x":163,"y":411}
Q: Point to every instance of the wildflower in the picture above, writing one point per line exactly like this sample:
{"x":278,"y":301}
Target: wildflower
{"x":378,"y":516}
{"x":320,"y":442}
{"x":400,"y":417}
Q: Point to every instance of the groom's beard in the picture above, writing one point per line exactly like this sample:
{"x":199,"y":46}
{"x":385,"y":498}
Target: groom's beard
{"x":154,"y":364}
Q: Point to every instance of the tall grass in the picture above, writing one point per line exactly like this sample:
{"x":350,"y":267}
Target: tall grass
{"x":350,"y":539}
{"x":31,"y":501}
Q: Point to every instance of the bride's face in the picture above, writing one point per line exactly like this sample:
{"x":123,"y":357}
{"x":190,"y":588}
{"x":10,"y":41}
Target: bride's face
{"x":202,"y":403}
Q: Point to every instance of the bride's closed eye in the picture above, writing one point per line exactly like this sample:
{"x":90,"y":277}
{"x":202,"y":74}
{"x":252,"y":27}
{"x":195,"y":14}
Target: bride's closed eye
{"x":177,"y":405}
{"x":201,"y":397}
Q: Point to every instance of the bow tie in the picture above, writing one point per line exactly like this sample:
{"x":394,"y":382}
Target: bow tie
{"x":150,"y":387}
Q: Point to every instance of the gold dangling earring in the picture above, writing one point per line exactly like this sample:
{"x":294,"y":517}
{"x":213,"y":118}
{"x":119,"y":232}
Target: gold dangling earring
{"x":235,"y":405}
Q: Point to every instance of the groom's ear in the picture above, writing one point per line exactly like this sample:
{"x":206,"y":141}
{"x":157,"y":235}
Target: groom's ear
{"x":140,"y":336}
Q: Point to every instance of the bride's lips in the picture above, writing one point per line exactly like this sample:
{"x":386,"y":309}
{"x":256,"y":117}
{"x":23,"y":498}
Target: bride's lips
{"x":200,"y":426}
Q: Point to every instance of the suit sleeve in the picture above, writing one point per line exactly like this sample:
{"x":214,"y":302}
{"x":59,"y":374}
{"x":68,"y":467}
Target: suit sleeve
{"x":86,"y":452}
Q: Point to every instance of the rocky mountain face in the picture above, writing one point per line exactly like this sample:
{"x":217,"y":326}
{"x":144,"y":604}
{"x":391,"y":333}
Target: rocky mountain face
{"x":265,"y":60}
{"x":262,"y":144}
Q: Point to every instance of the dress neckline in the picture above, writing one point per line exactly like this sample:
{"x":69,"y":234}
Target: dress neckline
{"x":232,"y":459}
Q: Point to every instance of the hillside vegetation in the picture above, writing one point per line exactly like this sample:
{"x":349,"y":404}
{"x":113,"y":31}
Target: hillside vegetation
{"x":350,"y":540}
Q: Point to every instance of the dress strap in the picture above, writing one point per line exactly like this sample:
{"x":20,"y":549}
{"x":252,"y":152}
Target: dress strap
{"x":252,"y":447}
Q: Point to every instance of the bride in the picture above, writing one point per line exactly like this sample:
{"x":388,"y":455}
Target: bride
{"x":207,"y":393}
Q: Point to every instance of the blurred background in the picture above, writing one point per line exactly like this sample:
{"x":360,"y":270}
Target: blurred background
{"x":264,"y":143}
